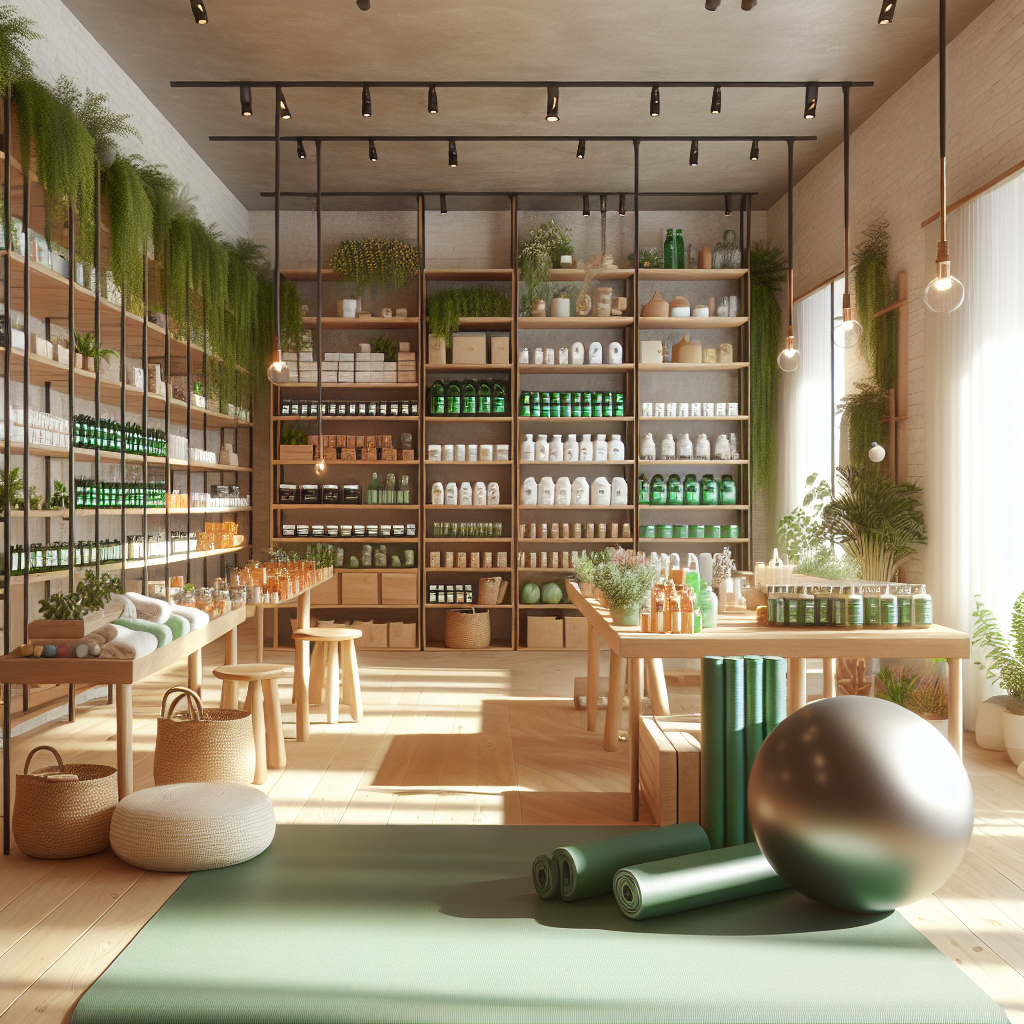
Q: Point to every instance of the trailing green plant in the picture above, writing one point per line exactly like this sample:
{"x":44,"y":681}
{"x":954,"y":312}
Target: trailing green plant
{"x":1002,"y":657}
{"x":862,"y":411}
{"x":103,"y":124}
{"x":59,"y":498}
{"x":896,"y":685}
{"x":387,"y":346}
{"x":625,"y":579}
{"x":375,"y":261}
{"x":446,"y":307}
{"x":12,"y":486}
{"x":131,"y":221}
{"x":874,"y":292}
{"x":542,"y":251}
{"x":879,"y":523}
{"x":293,"y":435}
{"x":16,"y":32}
{"x":293,"y":338}
{"x":767,"y":275}
{"x":801,"y":533}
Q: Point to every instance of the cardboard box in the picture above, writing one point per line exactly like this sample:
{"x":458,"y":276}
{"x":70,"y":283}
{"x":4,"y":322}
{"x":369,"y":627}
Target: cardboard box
{"x":575,"y":633}
{"x":545,"y":632}
{"x":399,"y":588}
{"x":658,"y":773}
{"x":651,"y":350}
{"x":469,"y":348}
{"x":375,"y":634}
{"x":683,"y":732}
{"x":296,"y":453}
{"x":326,"y":594}
{"x":402,"y":635}
{"x":437,"y":351}
{"x":360,"y":588}
{"x":500,"y":349}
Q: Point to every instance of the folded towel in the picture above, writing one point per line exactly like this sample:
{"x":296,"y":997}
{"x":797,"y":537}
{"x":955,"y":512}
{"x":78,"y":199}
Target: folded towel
{"x":157,"y":629}
{"x":149,"y":608}
{"x":178,"y":625}
{"x":196,"y":616}
{"x":129,"y":645}
{"x":127,"y":607}
{"x":100,"y":635}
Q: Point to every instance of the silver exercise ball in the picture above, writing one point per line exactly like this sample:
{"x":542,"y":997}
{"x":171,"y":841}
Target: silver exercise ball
{"x":860,"y":804}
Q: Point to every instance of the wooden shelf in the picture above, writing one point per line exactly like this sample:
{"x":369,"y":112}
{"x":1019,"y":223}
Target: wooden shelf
{"x":690,"y":323}
{"x":476,"y":568}
{"x":468,"y":419}
{"x":310,"y":275}
{"x":582,"y":508}
{"x":433,"y":463}
{"x":691,"y":367}
{"x":694,"y":508}
{"x":569,"y":540}
{"x":468,"y":367}
{"x":576,"y":274}
{"x":349,"y":540}
{"x":585,"y":368}
{"x":661,"y":274}
{"x":688,"y":419}
{"x":484,"y":323}
{"x":337,"y":504}
{"x":464,"y":508}
{"x":542,"y":606}
{"x":376,"y":387}
{"x":574,"y":323}
{"x":575,"y":419}
{"x":306,"y":419}
{"x":692,"y":462}
{"x":468,"y":274}
{"x":467,"y":650}
{"x":467,"y":540}
{"x":357,"y":464}
{"x":580,"y":463}
{"x":363,"y":323}
{"x":694,"y":540}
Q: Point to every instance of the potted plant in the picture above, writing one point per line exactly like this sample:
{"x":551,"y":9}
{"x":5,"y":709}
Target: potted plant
{"x":625,"y":579}
{"x":12,"y":487}
{"x":88,"y":352}
{"x":1002,"y":660}
{"x":72,"y":616}
{"x":59,"y":498}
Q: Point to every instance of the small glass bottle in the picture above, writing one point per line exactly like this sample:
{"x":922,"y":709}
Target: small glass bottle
{"x":437,"y":405}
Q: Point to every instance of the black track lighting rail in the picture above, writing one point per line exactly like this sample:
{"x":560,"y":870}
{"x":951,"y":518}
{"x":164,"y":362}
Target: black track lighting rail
{"x":718,"y":193}
{"x":362,"y":83}
{"x":517,"y":138}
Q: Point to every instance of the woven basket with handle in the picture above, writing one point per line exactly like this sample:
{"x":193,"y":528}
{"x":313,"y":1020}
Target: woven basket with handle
{"x":492,"y":589}
{"x":202,"y":744}
{"x":467,"y":630}
{"x":57,"y":815}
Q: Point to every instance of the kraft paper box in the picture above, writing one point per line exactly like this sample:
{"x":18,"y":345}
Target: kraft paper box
{"x":437,"y":350}
{"x":500,"y":349}
{"x":469,"y":348}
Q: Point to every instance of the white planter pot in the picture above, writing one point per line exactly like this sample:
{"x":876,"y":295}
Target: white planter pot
{"x":988,"y":727}
{"x":1013,"y":736}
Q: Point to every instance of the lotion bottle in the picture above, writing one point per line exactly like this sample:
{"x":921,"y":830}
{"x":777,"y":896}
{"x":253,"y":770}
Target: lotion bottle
{"x":571,"y":451}
{"x":528,"y":449}
{"x":601,"y":493}
{"x":451,"y":494}
{"x":542,"y":448}
{"x":546,"y":491}
{"x":563,"y":491}
{"x":616,"y":450}
{"x":528,"y":492}
{"x":586,"y":449}
{"x":668,"y":448}
{"x":601,"y":448}
{"x":581,"y":491}
{"x":465,"y":493}
{"x":556,"y":449}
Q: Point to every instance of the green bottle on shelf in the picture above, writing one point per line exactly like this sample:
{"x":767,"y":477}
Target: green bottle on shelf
{"x":680,"y":250}
{"x":469,"y":398}
{"x":675,"y":490}
{"x":453,"y":399}
{"x":499,"y":399}
{"x":659,"y":492}
{"x":691,"y":490}
{"x":727,"y":490}
{"x":670,"y":249}
{"x":708,"y":490}
{"x":545,"y":404}
{"x":643,"y":491}
{"x":525,"y":405}
{"x":437,"y":405}
{"x":483,"y":398}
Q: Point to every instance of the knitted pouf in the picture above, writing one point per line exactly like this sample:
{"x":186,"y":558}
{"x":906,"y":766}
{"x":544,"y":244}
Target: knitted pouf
{"x":192,"y":826}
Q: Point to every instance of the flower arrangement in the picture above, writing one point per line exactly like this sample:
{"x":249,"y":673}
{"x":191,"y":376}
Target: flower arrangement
{"x":370,"y":261}
{"x":625,"y":579}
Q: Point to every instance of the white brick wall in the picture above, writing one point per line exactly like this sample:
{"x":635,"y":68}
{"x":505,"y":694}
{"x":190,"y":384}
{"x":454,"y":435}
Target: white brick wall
{"x":68,"y":49}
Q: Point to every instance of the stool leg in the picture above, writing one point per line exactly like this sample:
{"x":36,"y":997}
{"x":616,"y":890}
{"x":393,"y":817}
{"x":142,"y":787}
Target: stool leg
{"x":254,"y":701}
{"x":276,"y":757}
{"x":229,"y":694}
{"x":332,"y":682}
{"x":316,"y":674}
{"x":350,"y":667}
{"x":300,"y":693}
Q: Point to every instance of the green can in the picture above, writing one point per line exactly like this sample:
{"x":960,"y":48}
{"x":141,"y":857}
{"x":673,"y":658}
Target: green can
{"x":696,"y":530}
{"x":566,"y":403}
{"x":713,"y":530}
{"x":854,"y":611}
{"x":838,"y":603}
{"x":732,"y":531}
{"x":663,"y":531}
{"x":680,"y":531}
{"x":903,"y":610}
{"x":871,"y":610}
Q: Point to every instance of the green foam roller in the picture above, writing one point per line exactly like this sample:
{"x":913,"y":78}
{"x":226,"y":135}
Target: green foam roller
{"x":698,"y":880}
{"x":774,"y":692}
{"x":588,"y":870}
{"x":735,"y":752}
{"x":753,"y":732}
{"x":545,"y":876}
{"x":712,"y":750}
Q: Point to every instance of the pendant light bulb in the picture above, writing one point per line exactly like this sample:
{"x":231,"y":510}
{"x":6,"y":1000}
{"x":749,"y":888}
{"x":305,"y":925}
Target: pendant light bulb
{"x":586,"y":206}
{"x":789,"y":357}
{"x":277,"y":371}
{"x":622,"y":204}
{"x":810,"y":101}
{"x":444,"y":205}
{"x":373,"y":152}
{"x":716,"y":100}
{"x":432,"y":100}
{"x":655,"y":101}
{"x":694,"y":153}
{"x":876,"y":453}
{"x":755,"y":150}
{"x":367,"y":106}
{"x":286,"y":114}
{"x":887,"y":13}
{"x":453,"y":154}
{"x":848,"y":332}
{"x":944,"y":292}
{"x":199,"y":12}
{"x":320,"y":466}
{"x":245,"y":99}
{"x":581,"y":149}
{"x":552,"y":111}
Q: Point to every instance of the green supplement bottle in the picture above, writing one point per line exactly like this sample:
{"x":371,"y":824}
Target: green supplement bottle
{"x":659,"y":491}
{"x":691,"y":490}
{"x":675,"y":492}
{"x":854,"y":611}
{"x":525,"y":405}
{"x":887,"y":613}
{"x":921,"y":609}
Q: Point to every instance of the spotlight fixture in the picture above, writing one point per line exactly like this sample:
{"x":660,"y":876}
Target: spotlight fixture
{"x":693,"y":153}
{"x":747,"y":5}
{"x":876,"y":453}
{"x":373,"y":152}
{"x":453,"y":154}
{"x":552,"y":114}
{"x":300,"y":149}
{"x":581,"y":149}
{"x":728,"y":205}
{"x":366,"y":101}
{"x":444,"y":205}
{"x":363,"y":5}
{"x":432,"y":100}
{"x":655,"y":101}
{"x":887,"y":13}
{"x":199,"y":12}
{"x":622,"y":204}
{"x":716,"y":100}
{"x":285,"y":112}
{"x":586,"y":206}
{"x":755,"y":150}
{"x":245,"y":99}
{"x":711,"y":5}
{"x":810,"y":101}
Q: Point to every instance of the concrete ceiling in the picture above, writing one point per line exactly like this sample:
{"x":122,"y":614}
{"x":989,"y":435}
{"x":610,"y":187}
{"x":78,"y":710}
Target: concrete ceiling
{"x":157,"y":41}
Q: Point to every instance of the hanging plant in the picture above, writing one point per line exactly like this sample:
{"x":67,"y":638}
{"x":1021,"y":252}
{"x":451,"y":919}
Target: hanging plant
{"x":862,"y":411}
{"x":445,"y":308}
{"x":370,"y":261}
{"x":16,"y":33}
{"x":874,"y":292}
{"x":131,"y":222}
{"x":103,"y":124}
{"x":767,"y":276}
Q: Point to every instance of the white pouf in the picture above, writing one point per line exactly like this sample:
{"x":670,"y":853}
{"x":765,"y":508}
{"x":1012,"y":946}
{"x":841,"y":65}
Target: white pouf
{"x":192,"y":826}
{"x":988,"y":728}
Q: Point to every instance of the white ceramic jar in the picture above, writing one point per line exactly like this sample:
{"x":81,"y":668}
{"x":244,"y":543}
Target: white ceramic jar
{"x":648,"y":449}
{"x":546,"y":491}
{"x":528,"y":492}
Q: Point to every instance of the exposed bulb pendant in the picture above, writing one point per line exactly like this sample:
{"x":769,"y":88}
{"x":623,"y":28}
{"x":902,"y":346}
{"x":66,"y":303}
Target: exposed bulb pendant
{"x":367,"y":104}
{"x":789,"y":357}
{"x":245,"y":99}
{"x":277,"y":371}
{"x":655,"y":101}
{"x":453,"y":154}
{"x":320,"y":466}
{"x":848,"y":332}
{"x":876,"y":453}
{"x":432,"y":100}
{"x":694,"y":153}
{"x":552,"y":112}
{"x":716,"y":100}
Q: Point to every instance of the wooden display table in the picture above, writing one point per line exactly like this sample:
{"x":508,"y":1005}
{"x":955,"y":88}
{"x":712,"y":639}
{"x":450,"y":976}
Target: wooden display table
{"x":120,"y":674}
{"x":738,"y":635}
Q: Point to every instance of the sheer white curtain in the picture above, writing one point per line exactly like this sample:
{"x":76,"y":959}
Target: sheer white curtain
{"x":805,"y":403}
{"x":974,"y":422}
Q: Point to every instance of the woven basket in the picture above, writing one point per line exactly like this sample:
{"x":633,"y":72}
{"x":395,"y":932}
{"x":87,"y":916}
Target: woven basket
{"x":203,"y":744}
{"x":467,"y":630}
{"x":60,"y":819}
{"x":492,"y":589}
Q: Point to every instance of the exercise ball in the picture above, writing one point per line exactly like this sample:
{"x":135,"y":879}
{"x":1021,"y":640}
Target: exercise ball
{"x":860,"y":804}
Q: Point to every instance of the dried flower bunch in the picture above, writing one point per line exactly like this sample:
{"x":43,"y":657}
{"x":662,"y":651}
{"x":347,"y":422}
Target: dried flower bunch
{"x":626,"y":579}
{"x":368,"y":261}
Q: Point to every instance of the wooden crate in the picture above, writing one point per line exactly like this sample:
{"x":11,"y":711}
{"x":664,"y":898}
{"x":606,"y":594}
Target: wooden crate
{"x":683,"y":733}
{"x":296,"y":452}
{"x":326,"y":594}
{"x":399,"y":588}
{"x":658,"y":773}
{"x":402,"y":635}
{"x":575,"y":633}
{"x":360,"y":588}
{"x":545,"y":632}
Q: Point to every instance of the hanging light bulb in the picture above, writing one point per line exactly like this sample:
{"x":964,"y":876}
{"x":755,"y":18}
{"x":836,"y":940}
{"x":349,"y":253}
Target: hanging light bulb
{"x":432,"y":100}
{"x":320,"y":466}
{"x":789,"y":357}
{"x":847,"y":332}
{"x":944,"y":293}
{"x":876,"y":453}
{"x":277,"y":371}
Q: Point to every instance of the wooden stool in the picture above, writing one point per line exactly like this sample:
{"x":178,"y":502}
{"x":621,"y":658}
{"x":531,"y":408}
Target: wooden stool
{"x":333,"y":647}
{"x":259,"y":700}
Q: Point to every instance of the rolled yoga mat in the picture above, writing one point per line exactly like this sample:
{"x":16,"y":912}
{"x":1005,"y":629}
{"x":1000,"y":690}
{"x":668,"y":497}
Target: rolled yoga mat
{"x":158,"y":629}
{"x":753,"y":733}
{"x":588,"y":870}
{"x":712,"y":750}
{"x":697,"y":880}
{"x":774,"y":692}
{"x":545,"y":876}
{"x":735,"y":753}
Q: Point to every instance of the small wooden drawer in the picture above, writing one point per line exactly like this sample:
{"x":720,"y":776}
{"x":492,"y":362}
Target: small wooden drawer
{"x":361,"y":589}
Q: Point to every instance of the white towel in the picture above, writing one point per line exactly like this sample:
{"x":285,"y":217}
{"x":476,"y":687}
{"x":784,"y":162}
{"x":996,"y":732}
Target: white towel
{"x":101,"y":635}
{"x":127,"y":607}
{"x":149,"y":608}
{"x":129,"y":645}
{"x":196,"y":617}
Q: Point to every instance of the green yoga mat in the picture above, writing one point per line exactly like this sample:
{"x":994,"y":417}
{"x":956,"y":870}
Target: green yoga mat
{"x":588,"y":870}
{"x":405,"y":924}
{"x":712,"y":750}
{"x":697,"y":880}
{"x":753,"y":733}
{"x":735,"y":753}
{"x":774,"y":692}
{"x":545,"y":876}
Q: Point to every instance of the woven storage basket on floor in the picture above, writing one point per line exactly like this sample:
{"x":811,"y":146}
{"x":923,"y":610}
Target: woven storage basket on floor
{"x":59,"y":819}
{"x":204,"y":745}
{"x":467,"y":630}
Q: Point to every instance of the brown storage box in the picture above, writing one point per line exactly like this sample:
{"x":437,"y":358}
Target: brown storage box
{"x":296,"y":453}
{"x":325,"y":595}
{"x":402,"y":635}
{"x":658,"y":773}
{"x":575,"y":633}
{"x":360,"y":588}
{"x":375,"y":634}
{"x":684,"y":734}
{"x":499,"y":349}
{"x":399,"y":588}
{"x":469,"y":348}
{"x":544,"y":632}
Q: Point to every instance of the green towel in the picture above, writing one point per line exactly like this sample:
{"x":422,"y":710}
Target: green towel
{"x":588,"y":870}
{"x":697,"y":880}
{"x":753,"y":733}
{"x":177,"y":625}
{"x":735,"y":753}
{"x":712,"y":750}
{"x":774,"y":692}
{"x":545,"y":876}
{"x":158,"y":629}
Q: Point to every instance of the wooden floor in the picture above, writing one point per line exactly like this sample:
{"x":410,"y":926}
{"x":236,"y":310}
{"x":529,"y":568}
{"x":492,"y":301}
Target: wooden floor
{"x":446,"y":738}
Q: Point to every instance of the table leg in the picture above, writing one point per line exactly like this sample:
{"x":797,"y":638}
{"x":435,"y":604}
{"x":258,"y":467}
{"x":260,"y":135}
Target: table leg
{"x":276,"y":757}
{"x":828,"y":671}
{"x":231,"y":647}
{"x":350,"y":668}
{"x":634,"y":667}
{"x":259,"y":635}
{"x":300,"y":696}
{"x":956,"y":707}
{"x":613,"y":716}
{"x":656,"y":688}
{"x":7,"y":768}
{"x":125,"y":764}
{"x":195,"y":672}
{"x":593,"y":673}
{"x":229,"y":687}
{"x":254,"y":701}
{"x":302,"y":621}
{"x":796,"y":689}
{"x":331,"y":684}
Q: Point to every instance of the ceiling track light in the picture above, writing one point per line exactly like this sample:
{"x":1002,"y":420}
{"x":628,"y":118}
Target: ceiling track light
{"x":286,"y":114}
{"x":716,"y":100}
{"x":887,"y":13}
{"x":655,"y":101}
{"x":552,"y":112}
{"x":373,"y":152}
{"x":728,"y":205}
{"x":300,"y":149}
{"x":810,"y":101}
{"x":453,"y":154}
{"x":199,"y":12}
{"x":755,"y":150}
{"x":747,"y":5}
{"x":245,"y":99}
{"x":622,"y":204}
{"x":367,"y":108}
{"x":444,"y":205}
{"x":432,"y":100}
{"x":581,"y":149}
{"x":711,"y":5}
{"x":586,"y":206}
{"x":694,"y":152}
{"x":363,"y":5}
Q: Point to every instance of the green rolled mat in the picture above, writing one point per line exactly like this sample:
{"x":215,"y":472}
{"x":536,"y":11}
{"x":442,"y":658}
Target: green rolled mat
{"x":774,"y":692}
{"x":158,"y":629}
{"x":735,"y":752}
{"x":588,"y":870}
{"x":697,"y":880}
{"x":177,"y":625}
{"x":712,"y":750}
{"x":753,"y":732}
{"x":545,"y":876}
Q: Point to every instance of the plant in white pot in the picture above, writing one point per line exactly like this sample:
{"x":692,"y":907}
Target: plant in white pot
{"x":1002,"y":660}
{"x":626,"y":580}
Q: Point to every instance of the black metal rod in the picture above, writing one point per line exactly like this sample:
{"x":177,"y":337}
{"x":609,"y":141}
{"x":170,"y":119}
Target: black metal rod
{"x":73,"y":345}
{"x":942,"y":118}
{"x":574,"y":139}
{"x":26,"y":185}
{"x":846,"y":196}
{"x":277,"y":221}
{"x":327,"y":195}
{"x":124,"y":381}
{"x":188,"y":431}
{"x":789,"y":235}
{"x":341,"y":84}
{"x":8,"y":248}
{"x":96,"y":382}
{"x":319,"y":312}
{"x":145,"y":457}
{"x":168,"y":475}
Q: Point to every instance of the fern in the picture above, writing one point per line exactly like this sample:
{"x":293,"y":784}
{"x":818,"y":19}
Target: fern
{"x":896,"y":685}
{"x":1002,"y":659}
{"x":16,"y":32}
{"x":862,"y":411}
{"x":97,"y":118}
{"x":767,"y":276}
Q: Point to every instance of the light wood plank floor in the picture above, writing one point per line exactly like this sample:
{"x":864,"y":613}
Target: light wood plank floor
{"x":449,"y":738}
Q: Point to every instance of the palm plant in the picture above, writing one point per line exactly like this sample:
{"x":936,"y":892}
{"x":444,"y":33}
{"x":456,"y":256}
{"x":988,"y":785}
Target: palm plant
{"x":767,"y":276}
{"x":896,"y":685}
{"x":879,"y":523}
{"x":1002,"y":658}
